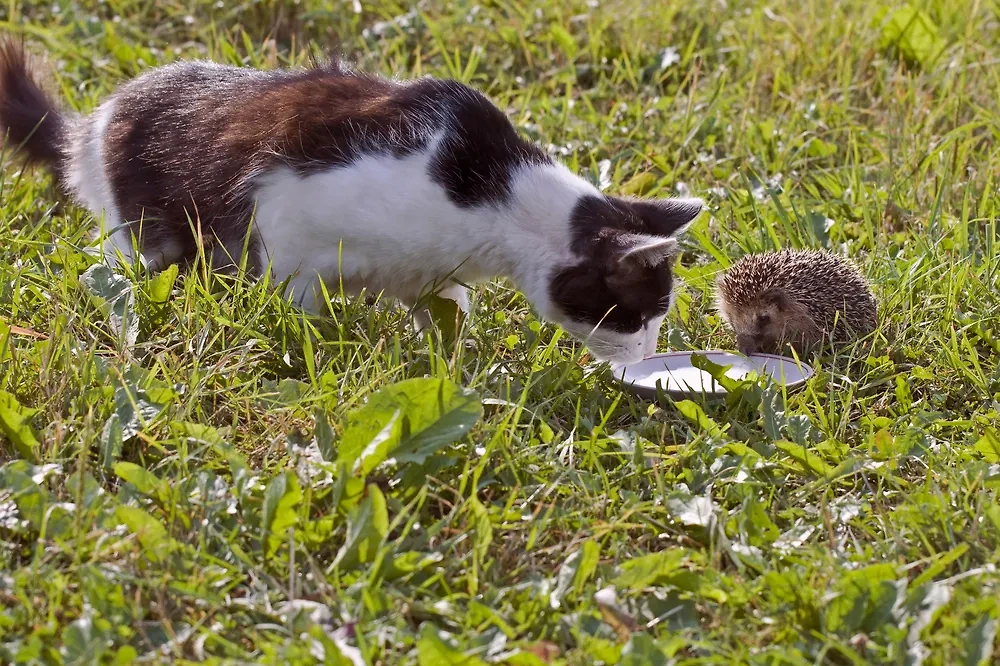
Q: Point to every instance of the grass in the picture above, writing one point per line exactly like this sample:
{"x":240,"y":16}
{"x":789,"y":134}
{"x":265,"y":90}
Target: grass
{"x":186,"y":465}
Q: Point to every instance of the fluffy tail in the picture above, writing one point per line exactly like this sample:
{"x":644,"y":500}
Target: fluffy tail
{"x":29,"y":120}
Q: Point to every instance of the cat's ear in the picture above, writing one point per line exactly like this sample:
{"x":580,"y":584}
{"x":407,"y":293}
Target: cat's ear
{"x":667,"y":217}
{"x":634,"y":255}
{"x":641,"y":250}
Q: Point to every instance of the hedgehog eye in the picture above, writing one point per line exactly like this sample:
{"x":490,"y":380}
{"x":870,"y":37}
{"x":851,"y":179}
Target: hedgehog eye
{"x":764,"y":319}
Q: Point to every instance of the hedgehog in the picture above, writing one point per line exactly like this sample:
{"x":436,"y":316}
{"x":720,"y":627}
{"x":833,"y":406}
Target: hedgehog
{"x":796,"y":297}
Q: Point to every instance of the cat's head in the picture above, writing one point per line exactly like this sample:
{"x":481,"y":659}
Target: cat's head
{"x":617,"y":292}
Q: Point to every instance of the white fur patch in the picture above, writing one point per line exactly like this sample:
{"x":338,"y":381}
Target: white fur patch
{"x":380,"y":223}
{"x":87,"y":176}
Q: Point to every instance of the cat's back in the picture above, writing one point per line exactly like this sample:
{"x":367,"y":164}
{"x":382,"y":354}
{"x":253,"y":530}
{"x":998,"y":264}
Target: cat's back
{"x":316,"y":117}
{"x":195,"y":113}
{"x":197,"y":76}
{"x":196,"y":138}
{"x":202,"y":101}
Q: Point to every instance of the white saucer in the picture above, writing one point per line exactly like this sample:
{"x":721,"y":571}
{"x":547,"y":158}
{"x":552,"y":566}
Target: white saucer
{"x":679,"y":378}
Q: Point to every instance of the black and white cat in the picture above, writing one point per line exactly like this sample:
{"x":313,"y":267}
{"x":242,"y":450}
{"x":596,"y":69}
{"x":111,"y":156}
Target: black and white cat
{"x":327,"y":174}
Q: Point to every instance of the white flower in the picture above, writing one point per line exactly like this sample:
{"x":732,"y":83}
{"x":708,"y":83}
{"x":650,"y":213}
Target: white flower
{"x":670,"y":57}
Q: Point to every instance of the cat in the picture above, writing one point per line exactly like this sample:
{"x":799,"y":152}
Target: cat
{"x":330,"y":174}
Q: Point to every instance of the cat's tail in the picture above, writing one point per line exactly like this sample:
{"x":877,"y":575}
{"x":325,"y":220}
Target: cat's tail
{"x":30,"y":122}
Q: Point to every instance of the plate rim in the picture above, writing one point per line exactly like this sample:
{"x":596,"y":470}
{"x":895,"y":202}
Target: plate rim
{"x":649,"y":392}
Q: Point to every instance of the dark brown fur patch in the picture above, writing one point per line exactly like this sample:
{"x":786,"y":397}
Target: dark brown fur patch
{"x":28,"y":118}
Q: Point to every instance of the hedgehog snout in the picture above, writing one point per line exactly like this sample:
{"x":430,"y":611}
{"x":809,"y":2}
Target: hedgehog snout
{"x":758,"y":340}
{"x":747,"y":344}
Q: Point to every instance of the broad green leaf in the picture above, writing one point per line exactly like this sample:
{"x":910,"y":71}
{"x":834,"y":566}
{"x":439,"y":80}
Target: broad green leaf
{"x":693,"y":511}
{"x":347,"y":490}
{"x":545,"y":433}
{"x":799,"y":428}
{"x":152,"y":535}
{"x":483,"y":530}
{"x":784,"y":587}
{"x":912,"y":32}
{"x":447,"y":315}
{"x":125,"y":656}
{"x":697,"y":415}
{"x":992,"y":512}
{"x":904,"y":398}
{"x":198,"y":432}
{"x":772,"y":412}
{"x":698,"y":582}
{"x":639,"y":184}
{"x":29,"y":497}
{"x":144,"y":481}
{"x":161,"y":285}
{"x":85,"y":487}
{"x":569,"y":572}
{"x":979,"y":641}
{"x":15,"y":423}
{"x":367,"y":525}
{"x":104,"y":594}
{"x":402,"y":564}
{"x":819,"y":148}
{"x":716,"y":370}
{"x":324,"y":435}
{"x":989,"y":445}
{"x":287,"y":392}
{"x":113,"y":294}
{"x":139,"y":399}
{"x":809,"y":460}
{"x":436,"y":648}
{"x":883,"y":445}
{"x":590,"y":555}
{"x":280,"y":503}
{"x":819,"y":223}
{"x":859,"y":593}
{"x":81,"y":643}
{"x":111,"y":441}
{"x":641,"y":650}
{"x":645,"y":571}
{"x":565,"y":40}
{"x":756,"y":524}
{"x":408,"y":421}
{"x":106,"y":285}
{"x":276,"y":490}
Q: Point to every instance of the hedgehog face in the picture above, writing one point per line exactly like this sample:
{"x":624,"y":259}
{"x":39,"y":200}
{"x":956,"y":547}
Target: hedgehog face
{"x":759,"y":329}
{"x":616,"y":293}
{"x":769,"y":321}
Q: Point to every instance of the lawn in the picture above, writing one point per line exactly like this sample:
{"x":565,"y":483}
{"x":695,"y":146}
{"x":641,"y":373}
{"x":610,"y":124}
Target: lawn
{"x":190,"y":470}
